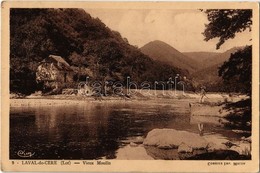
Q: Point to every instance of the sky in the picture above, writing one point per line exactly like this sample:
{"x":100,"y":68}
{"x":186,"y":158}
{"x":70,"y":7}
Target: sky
{"x":182,"y":29}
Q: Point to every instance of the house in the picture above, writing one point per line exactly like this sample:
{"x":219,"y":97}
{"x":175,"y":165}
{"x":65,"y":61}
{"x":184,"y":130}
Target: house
{"x":54,"y":73}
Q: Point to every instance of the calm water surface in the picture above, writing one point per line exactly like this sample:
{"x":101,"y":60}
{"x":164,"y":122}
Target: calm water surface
{"x":94,"y":130}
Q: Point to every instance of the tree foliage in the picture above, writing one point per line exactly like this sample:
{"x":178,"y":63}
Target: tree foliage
{"x":83,"y":41}
{"x":237,"y":71}
{"x":224,"y":24}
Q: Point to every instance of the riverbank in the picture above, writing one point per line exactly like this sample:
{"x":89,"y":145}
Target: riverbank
{"x":139,"y":95}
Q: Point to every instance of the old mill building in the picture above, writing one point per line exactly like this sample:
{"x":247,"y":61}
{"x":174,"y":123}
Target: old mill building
{"x":54,"y":73}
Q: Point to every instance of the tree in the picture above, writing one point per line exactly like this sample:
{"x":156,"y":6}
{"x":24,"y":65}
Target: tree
{"x":224,"y":24}
{"x":238,"y":69}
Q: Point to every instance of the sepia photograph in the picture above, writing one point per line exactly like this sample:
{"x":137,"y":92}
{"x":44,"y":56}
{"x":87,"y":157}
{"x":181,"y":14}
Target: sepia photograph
{"x":97,"y":84}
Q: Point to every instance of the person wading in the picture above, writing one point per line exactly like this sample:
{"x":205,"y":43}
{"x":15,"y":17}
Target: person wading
{"x":203,"y":94}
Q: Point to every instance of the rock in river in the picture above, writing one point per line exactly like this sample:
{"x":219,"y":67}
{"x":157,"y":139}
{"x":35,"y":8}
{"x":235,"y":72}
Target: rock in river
{"x":215,"y":147}
{"x":243,"y":148}
{"x":171,"y":138}
{"x":184,"y":148}
{"x":139,"y":140}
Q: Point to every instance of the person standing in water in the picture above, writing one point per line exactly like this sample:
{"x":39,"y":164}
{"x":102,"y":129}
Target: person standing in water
{"x":203,"y":94}
{"x":201,"y":128}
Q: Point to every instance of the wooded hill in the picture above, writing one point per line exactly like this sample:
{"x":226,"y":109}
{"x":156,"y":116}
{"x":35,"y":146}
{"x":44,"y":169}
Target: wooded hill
{"x":203,"y":67}
{"x":208,"y":71}
{"x":201,"y":57}
{"x":94,"y":50}
{"x":161,"y":51}
{"x":84,"y":42}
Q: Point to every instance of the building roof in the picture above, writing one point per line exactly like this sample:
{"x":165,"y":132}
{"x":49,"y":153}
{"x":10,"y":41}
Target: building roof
{"x":59,"y":59}
{"x":63,"y":64}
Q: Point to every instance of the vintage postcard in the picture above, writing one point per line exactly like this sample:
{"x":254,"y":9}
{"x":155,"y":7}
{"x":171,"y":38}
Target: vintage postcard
{"x":130,"y":86}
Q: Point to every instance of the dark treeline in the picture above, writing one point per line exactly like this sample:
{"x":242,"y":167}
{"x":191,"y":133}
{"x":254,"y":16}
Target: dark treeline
{"x":84,"y":42}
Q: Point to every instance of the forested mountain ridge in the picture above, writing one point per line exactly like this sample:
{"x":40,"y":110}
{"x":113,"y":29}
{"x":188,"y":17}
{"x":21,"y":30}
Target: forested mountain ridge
{"x":84,"y":42}
{"x":201,"y":57}
{"x":163,"y":52}
{"x":203,"y":67}
{"x":209,"y":75}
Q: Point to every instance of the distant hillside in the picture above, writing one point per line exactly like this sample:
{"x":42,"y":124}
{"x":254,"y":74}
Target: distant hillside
{"x":220,"y":58}
{"x":209,"y":75}
{"x":208,"y":59}
{"x":165,"y":53}
{"x":201,"y":57}
{"x":84,"y":42}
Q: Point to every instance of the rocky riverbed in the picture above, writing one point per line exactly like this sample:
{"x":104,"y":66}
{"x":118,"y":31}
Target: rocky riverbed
{"x":171,"y":144}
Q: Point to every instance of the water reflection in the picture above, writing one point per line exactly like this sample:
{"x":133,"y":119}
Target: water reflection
{"x":89,"y":130}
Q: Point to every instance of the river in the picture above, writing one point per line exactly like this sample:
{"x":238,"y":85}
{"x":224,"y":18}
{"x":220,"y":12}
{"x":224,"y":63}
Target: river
{"x":96,"y":130}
